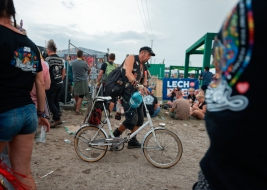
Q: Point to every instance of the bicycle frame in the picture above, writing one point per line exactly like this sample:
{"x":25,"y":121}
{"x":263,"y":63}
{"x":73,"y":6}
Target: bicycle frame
{"x":126,"y":139}
{"x":149,"y":122}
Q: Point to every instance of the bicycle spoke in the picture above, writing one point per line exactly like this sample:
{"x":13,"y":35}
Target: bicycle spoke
{"x":165,"y":152}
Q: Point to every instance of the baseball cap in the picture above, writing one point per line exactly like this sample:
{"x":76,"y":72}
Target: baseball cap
{"x":148,"y":49}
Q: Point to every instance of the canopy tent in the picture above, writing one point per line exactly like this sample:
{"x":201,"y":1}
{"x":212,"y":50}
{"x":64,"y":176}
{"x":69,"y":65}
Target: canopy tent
{"x":206,"y":40}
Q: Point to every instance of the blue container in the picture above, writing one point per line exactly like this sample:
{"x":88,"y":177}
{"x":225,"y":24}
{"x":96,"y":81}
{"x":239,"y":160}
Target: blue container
{"x":136,"y":100}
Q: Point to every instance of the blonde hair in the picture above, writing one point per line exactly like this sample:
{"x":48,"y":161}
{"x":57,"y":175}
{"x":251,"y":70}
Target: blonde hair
{"x":200,"y":95}
{"x":191,"y":89}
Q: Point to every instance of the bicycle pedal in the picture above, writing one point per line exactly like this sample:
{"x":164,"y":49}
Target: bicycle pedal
{"x":113,"y":148}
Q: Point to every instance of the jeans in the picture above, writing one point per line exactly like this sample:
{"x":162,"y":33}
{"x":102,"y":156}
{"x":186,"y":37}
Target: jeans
{"x":53,"y":99}
{"x":22,"y":120}
{"x":156,"y":112}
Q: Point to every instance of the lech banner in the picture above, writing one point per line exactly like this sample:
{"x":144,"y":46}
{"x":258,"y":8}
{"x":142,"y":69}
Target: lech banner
{"x":170,"y":83}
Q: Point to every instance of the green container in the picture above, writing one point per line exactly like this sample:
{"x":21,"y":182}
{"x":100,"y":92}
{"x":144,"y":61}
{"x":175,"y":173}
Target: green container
{"x":157,"y":70}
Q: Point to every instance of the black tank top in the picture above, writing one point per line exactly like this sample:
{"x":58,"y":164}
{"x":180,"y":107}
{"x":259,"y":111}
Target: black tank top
{"x":201,"y":106}
{"x":129,"y":89}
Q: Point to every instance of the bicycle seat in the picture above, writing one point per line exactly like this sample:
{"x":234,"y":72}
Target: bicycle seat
{"x":103,"y":98}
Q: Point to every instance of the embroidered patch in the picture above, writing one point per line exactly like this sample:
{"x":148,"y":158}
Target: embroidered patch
{"x":242,"y":87}
{"x":25,"y":59}
{"x":231,"y":56}
{"x":220,"y":98}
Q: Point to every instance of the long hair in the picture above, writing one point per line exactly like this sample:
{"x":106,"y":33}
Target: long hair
{"x":7,"y":9}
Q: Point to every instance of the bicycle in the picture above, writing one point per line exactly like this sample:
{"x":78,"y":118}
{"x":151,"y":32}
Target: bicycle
{"x":161,"y":147}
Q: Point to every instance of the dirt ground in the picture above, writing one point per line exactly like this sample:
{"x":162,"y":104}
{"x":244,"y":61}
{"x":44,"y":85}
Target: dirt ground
{"x":119,"y":170}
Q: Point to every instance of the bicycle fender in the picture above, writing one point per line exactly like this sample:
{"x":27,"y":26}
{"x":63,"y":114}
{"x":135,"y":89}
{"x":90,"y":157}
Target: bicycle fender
{"x":148,"y":133}
{"x":87,"y":125}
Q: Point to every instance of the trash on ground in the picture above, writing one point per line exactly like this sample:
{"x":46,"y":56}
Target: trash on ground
{"x":67,"y":141}
{"x":46,"y":174}
{"x":72,"y":129}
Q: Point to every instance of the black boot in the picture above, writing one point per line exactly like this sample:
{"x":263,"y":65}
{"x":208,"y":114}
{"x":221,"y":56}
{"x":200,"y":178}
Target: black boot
{"x":117,"y":133}
{"x":133,"y":143}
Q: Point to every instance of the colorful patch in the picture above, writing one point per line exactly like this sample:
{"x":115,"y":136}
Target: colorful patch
{"x":25,"y":59}
{"x":234,"y":39}
{"x":242,"y":87}
{"x":231,"y":56}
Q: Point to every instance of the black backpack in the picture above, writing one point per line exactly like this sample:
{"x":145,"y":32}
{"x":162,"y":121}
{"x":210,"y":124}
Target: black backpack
{"x":115,"y":84}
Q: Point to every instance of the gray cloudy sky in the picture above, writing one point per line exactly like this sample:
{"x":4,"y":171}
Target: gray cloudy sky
{"x":173,"y":25}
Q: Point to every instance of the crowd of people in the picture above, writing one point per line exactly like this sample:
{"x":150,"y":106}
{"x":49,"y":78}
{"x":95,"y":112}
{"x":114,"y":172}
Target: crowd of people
{"x":227,"y":101}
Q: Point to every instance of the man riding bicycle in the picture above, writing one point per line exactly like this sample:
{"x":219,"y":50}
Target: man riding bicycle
{"x":134,"y":71}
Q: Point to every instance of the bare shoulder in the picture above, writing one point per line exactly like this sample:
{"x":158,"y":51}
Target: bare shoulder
{"x":129,"y":61}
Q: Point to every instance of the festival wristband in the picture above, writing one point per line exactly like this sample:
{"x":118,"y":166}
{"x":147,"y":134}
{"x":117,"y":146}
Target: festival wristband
{"x":41,"y":114}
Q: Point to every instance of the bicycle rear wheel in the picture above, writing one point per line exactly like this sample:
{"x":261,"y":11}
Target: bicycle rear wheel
{"x":83,"y":148}
{"x":164,"y":153}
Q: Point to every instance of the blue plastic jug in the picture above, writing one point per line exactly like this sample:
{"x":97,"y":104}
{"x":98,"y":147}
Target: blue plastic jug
{"x":136,"y":100}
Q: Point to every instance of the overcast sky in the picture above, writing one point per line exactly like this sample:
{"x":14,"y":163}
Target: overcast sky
{"x":173,"y":25}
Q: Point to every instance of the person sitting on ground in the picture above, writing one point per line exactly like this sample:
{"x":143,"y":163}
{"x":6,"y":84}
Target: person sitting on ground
{"x":180,"y":108}
{"x":191,"y":96}
{"x":152,"y":104}
{"x":196,"y":92}
{"x":199,"y":108}
{"x":172,"y":94}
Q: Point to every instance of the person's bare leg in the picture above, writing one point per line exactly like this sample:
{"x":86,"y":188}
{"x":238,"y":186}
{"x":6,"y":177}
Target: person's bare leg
{"x":111,"y":107}
{"x":198,"y":114}
{"x":134,"y":129}
{"x":76,"y":100}
{"x":78,"y":104}
{"x":2,"y":146}
{"x":20,"y":152}
{"x":122,"y":128}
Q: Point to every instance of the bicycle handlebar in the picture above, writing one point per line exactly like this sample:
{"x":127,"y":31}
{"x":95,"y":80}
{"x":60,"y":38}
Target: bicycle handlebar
{"x":139,"y":86}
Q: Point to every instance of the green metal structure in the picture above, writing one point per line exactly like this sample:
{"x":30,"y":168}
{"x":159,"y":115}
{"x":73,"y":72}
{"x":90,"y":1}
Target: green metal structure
{"x":157,"y":70}
{"x":207,"y":41}
{"x":196,"y":69}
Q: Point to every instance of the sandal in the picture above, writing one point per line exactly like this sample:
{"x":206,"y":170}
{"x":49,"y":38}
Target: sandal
{"x":78,"y":113}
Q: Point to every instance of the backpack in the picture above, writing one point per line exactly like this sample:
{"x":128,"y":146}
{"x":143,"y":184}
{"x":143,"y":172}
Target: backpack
{"x":115,"y":85}
{"x":109,"y":68}
{"x":116,"y":82}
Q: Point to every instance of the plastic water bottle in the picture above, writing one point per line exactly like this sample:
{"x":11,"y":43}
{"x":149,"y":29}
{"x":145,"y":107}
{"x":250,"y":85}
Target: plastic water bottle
{"x":40,"y":135}
{"x":118,"y":110}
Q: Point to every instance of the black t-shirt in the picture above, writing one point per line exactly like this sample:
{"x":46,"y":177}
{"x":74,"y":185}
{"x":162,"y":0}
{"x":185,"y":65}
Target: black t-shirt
{"x":235,"y":118}
{"x":191,"y":97}
{"x":19,"y":62}
{"x":150,"y":102}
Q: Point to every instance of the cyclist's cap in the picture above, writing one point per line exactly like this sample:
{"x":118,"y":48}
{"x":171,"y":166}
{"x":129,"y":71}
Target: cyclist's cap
{"x":147,"y":49}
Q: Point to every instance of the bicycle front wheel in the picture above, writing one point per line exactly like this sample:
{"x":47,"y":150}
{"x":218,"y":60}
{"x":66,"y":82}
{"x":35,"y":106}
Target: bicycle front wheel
{"x":83,"y":148}
{"x":165,"y":151}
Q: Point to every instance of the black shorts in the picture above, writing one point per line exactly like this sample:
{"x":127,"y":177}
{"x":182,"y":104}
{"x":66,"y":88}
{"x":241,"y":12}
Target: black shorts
{"x":204,"y":87}
{"x":133,"y":117}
